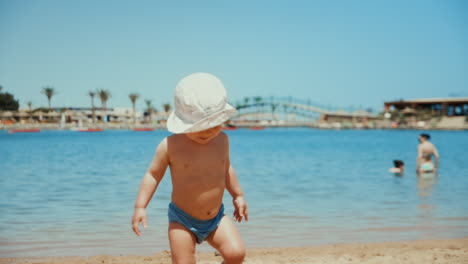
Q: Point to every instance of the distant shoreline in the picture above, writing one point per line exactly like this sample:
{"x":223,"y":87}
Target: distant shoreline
{"x":117,"y":126}
{"x":442,"y":251}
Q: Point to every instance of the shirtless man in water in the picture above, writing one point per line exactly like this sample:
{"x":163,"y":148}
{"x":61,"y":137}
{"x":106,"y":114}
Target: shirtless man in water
{"x":425,"y":148}
{"x":198,"y":157}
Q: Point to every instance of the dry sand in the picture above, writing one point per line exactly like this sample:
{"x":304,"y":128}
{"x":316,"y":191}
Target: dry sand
{"x":429,"y":251}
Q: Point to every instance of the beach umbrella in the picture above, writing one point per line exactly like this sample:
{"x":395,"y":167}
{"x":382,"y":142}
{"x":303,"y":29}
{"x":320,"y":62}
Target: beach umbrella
{"x":408,"y":110}
{"x":52,"y":114}
{"x":38,"y":113}
{"x":7,"y":114}
{"x":21,"y":114}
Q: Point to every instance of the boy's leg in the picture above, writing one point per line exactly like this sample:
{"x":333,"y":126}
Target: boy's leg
{"x":226,"y":239}
{"x":182,"y":243}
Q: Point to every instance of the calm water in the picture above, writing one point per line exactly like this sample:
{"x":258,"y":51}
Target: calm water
{"x":71,"y":193}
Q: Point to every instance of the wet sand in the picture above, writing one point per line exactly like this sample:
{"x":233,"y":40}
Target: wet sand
{"x":426,"y":251}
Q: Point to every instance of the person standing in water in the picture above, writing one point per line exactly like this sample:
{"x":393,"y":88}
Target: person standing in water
{"x":426,"y":149}
{"x":427,"y":166}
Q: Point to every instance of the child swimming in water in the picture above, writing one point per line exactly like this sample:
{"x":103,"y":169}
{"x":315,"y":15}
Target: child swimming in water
{"x":198,"y":157}
{"x":399,"y":167}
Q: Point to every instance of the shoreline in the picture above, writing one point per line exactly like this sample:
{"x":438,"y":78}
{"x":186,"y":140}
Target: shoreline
{"x":418,"y":251}
{"x":71,"y":127}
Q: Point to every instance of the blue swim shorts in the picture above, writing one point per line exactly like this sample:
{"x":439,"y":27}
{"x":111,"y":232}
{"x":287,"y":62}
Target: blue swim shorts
{"x":200,"y":228}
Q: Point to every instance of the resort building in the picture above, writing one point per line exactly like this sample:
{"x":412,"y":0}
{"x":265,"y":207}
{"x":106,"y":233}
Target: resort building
{"x":434,"y":106}
{"x":429,"y":113}
{"x":343,"y":116}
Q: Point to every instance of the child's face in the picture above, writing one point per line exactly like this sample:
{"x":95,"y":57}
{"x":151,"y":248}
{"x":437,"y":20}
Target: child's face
{"x":205,"y":136}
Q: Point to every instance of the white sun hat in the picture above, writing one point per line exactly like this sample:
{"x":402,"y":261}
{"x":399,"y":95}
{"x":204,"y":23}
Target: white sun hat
{"x":200,"y":103}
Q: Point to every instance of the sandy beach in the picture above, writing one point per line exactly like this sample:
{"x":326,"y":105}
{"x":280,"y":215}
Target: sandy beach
{"x":426,"y":251}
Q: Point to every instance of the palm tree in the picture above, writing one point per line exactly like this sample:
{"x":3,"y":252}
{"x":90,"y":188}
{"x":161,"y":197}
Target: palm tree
{"x":30,"y":109}
{"x":104,"y":95}
{"x":246,"y":101}
{"x":167,"y":107}
{"x":133,"y":97}
{"x":49,"y":92}
{"x":273,"y":109}
{"x":286,"y":111}
{"x":258,"y":105}
{"x":93,"y":110}
{"x":149,"y":109}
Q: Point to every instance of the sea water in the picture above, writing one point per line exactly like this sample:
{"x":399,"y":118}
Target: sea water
{"x":68,"y":193}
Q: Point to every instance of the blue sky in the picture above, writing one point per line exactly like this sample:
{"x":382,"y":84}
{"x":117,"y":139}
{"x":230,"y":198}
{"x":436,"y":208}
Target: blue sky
{"x":341,"y":53}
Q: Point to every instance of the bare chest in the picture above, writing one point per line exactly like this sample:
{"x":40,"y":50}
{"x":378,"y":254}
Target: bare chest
{"x":205,"y":165}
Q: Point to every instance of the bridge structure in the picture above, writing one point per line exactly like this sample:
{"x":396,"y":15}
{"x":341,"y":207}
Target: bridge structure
{"x":290,"y":111}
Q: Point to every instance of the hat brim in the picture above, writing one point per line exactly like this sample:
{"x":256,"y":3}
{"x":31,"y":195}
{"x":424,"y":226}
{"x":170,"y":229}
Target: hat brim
{"x":178,"y":126}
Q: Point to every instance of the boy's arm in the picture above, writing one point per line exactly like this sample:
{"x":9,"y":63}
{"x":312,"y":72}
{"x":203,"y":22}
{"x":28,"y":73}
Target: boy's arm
{"x":238,"y":199}
{"x":234,"y":188}
{"x":232,"y":184}
{"x":150,"y":182}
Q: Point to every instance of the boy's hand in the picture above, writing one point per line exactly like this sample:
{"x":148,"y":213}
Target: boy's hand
{"x":139,"y":216}
{"x":240,"y":206}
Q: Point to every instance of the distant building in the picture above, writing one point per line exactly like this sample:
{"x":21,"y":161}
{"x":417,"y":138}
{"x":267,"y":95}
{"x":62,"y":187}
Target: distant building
{"x":72,"y":115}
{"x":432,"y":113}
{"x":343,"y":116}
{"x":433,"y":106}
